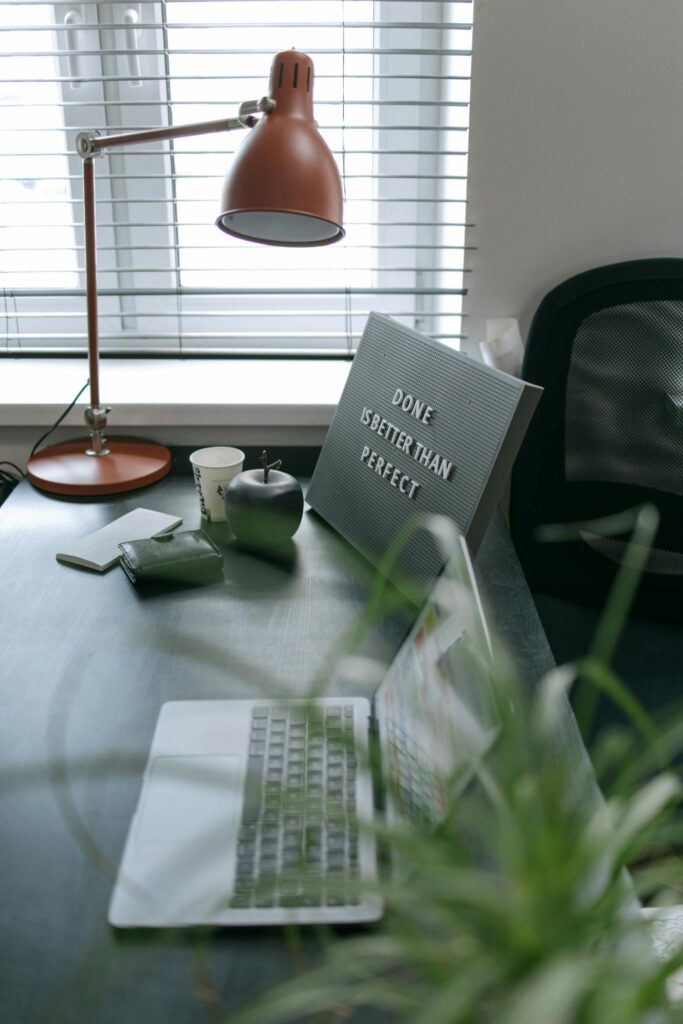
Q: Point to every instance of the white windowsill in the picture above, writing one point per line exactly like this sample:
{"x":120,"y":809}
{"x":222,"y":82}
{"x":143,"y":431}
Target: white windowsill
{"x":176,"y":393}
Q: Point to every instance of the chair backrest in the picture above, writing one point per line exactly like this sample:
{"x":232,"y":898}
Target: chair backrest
{"x":607,"y":347}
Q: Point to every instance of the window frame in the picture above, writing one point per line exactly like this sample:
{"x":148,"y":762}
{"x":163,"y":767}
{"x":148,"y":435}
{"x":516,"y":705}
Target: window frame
{"x":121,"y":224}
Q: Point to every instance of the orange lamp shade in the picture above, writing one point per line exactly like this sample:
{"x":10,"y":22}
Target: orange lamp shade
{"x":284,"y":187}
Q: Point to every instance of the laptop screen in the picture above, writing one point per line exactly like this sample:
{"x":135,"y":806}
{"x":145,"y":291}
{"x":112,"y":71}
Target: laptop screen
{"x":432,"y":708}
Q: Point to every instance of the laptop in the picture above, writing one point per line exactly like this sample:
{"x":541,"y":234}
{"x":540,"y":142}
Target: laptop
{"x":260,"y":812}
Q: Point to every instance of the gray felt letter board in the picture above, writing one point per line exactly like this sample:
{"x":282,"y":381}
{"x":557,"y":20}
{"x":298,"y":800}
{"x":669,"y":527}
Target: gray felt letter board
{"x":420,"y":428}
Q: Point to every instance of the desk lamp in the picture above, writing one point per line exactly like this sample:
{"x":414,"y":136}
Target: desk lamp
{"x":283,"y":189}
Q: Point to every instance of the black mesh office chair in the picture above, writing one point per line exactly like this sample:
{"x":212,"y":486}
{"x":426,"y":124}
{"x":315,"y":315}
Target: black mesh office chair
{"x":607,"y":346}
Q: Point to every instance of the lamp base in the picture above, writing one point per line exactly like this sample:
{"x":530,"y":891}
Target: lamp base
{"x":66,"y":469}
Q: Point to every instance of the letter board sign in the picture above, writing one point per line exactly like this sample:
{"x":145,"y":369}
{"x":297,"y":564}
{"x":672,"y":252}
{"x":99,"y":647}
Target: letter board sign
{"x":420,"y":428}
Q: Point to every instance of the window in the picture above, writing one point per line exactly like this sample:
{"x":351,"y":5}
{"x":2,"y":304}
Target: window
{"x":391,"y":99}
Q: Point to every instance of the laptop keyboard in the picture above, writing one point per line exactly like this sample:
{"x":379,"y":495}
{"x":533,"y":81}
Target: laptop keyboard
{"x":298,"y":840}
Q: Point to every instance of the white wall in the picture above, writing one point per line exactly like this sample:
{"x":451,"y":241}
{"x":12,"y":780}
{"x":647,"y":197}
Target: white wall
{"x":576,"y":153}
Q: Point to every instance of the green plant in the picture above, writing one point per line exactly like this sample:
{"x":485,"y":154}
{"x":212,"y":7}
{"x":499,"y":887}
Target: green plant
{"x":518,"y":908}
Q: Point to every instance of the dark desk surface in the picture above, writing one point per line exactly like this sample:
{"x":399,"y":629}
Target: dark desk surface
{"x":86,"y":663}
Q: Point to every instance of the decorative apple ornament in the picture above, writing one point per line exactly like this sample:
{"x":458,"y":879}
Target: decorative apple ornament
{"x":263,"y":506}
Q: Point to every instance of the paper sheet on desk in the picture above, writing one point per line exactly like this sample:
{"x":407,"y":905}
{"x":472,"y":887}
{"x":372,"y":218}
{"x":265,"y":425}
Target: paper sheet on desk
{"x":503,"y":348}
{"x":666,"y":925}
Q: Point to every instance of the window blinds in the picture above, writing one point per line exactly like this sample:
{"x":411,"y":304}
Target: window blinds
{"x":391,"y":98}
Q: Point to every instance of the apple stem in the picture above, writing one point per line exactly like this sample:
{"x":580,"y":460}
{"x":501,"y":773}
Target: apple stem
{"x":263,"y":459}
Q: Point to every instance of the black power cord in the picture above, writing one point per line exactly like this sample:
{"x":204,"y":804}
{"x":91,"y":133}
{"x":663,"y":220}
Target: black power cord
{"x":9,"y":478}
{"x":57,"y":422}
{"x":19,"y":472}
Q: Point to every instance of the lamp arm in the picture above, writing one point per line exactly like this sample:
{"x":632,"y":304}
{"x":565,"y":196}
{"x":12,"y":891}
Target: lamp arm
{"x":88,"y":146}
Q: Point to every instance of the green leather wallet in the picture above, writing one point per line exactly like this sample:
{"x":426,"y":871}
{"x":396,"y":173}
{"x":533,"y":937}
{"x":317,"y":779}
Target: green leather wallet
{"x":188,"y":557}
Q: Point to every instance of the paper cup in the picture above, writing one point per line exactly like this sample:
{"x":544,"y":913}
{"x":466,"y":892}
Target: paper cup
{"x":213,"y":468}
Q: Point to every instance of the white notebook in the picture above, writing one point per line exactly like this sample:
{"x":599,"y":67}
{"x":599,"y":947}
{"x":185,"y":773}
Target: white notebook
{"x":100,"y":550}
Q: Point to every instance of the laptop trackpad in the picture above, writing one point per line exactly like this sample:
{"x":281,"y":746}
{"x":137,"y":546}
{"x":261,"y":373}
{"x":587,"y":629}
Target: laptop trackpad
{"x":187,"y":798}
{"x":184,"y":847}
